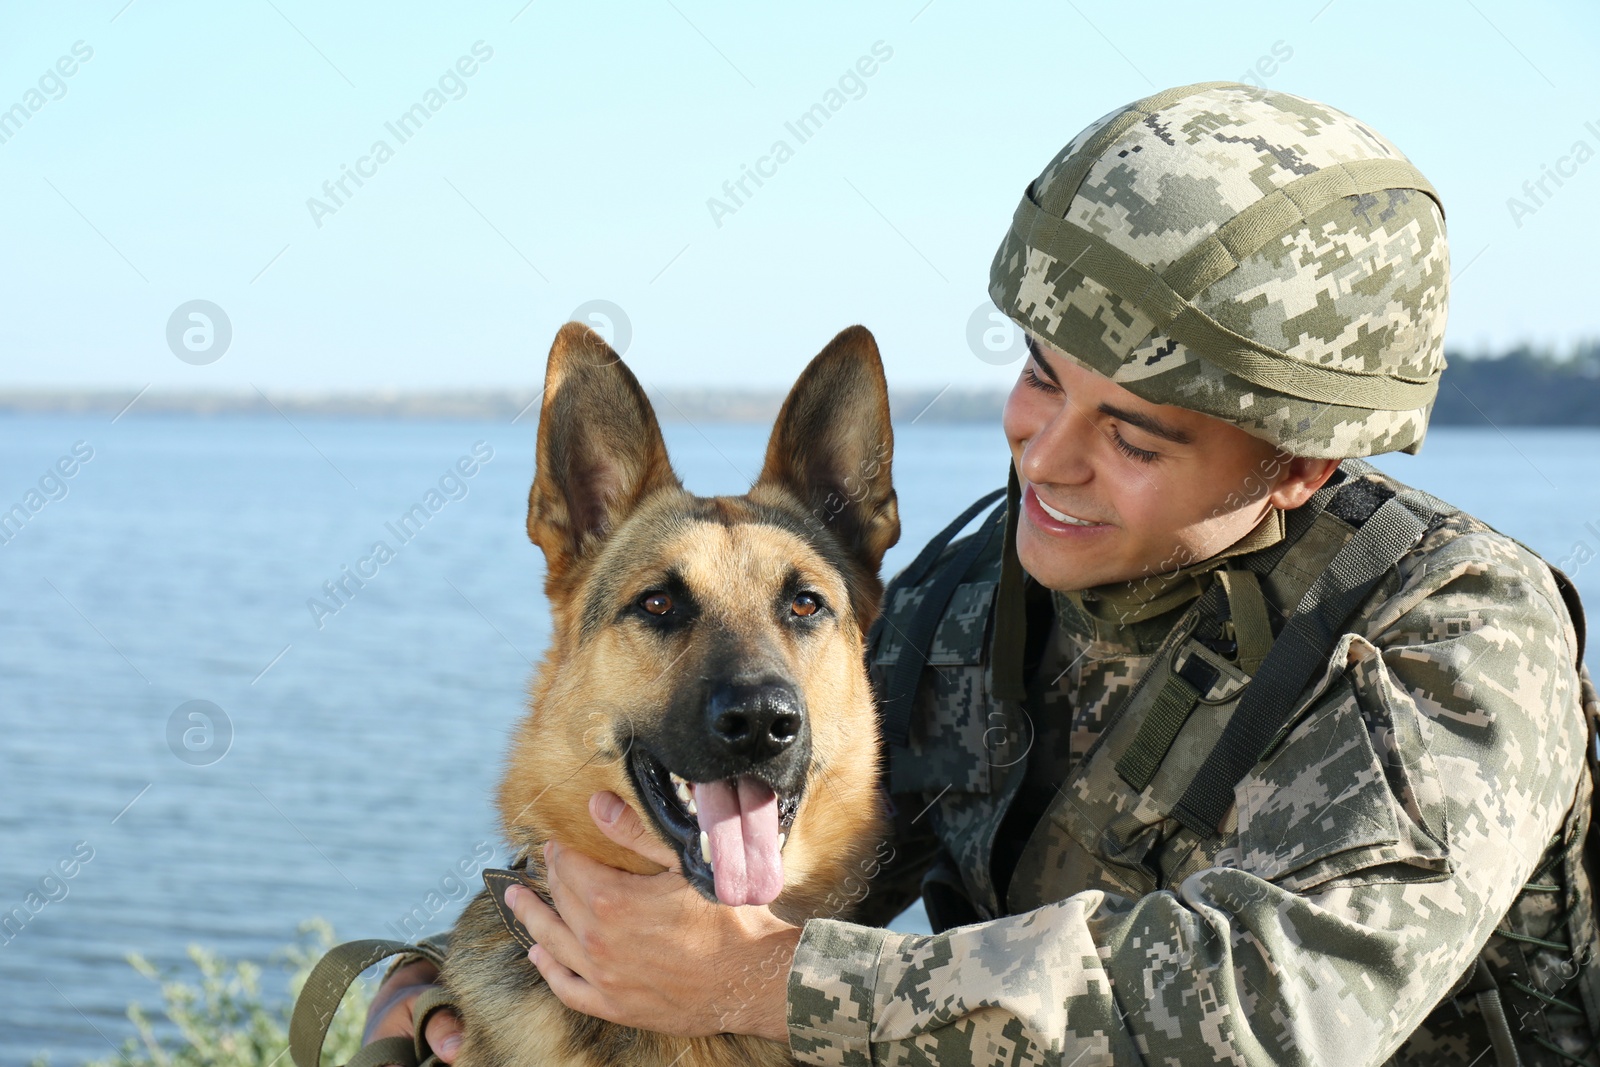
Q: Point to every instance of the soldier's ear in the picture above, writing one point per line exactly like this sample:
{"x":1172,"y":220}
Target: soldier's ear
{"x":833,"y":444}
{"x":1300,"y":477}
{"x":600,"y":450}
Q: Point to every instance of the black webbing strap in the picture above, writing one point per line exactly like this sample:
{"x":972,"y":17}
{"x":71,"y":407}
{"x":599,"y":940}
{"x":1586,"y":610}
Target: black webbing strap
{"x":901,"y":687}
{"x":1177,"y":697}
{"x":1299,"y":652}
{"x":931,"y":551}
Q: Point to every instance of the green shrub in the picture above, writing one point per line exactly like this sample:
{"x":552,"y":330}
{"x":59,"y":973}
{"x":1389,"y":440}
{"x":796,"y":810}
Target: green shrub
{"x":222,"y":1021}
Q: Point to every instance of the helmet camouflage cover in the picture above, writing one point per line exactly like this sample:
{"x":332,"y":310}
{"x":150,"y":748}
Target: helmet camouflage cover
{"x":1250,"y":255}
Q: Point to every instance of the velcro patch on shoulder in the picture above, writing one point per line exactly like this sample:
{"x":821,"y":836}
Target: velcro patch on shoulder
{"x":1356,"y":502}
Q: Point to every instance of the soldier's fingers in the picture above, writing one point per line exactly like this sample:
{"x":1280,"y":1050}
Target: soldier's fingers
{"x":569,"y":899}
{"x":622,"y":824}
{"x":568,"y":986}
{"x":546,"y":926}
{"x":444,"y":1034}
{"x":581,"y":886}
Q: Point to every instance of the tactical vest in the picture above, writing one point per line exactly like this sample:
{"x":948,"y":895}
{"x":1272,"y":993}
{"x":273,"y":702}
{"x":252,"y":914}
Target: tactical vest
{"x":1221,"y":695}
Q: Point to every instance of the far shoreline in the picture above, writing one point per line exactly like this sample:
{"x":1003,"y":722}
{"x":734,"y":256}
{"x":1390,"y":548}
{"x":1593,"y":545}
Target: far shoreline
{"x":1520,"y":388}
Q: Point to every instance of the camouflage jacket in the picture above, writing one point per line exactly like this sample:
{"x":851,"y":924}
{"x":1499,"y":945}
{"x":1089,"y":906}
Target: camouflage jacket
{"x":1427,"y":806}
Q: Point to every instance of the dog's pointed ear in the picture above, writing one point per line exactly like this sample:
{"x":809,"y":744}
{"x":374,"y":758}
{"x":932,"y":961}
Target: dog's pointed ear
{"x":600,"y":449}
{"x":833,"y":443}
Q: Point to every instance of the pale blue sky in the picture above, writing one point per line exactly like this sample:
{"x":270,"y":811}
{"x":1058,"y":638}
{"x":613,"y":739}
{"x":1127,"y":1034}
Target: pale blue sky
{"x":579,"y":159}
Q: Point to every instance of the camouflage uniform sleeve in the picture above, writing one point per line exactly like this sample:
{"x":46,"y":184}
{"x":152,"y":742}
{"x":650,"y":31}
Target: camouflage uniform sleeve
{"x":1303,"y":944}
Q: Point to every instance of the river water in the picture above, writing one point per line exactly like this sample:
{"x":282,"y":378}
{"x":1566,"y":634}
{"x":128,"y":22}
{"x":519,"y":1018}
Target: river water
{"x":349,"y":774}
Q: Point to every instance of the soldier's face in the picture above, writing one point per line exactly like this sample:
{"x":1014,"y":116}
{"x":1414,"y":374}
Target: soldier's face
{"x":1115,"y":488}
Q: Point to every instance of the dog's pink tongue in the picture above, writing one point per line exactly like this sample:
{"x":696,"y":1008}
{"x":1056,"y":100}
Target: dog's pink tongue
{"x":741,"y":821}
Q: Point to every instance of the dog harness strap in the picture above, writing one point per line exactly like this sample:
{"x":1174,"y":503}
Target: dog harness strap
{"x":900,"y":691}
{"x":385,"y":1050}
{"x":325,"y":987}
{"x":434,"y":998}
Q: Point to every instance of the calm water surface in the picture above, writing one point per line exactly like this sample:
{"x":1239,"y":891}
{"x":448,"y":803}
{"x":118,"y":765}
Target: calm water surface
{"x":364,"y":743}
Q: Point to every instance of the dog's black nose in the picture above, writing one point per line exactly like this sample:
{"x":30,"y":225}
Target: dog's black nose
{"x":755,"y":722}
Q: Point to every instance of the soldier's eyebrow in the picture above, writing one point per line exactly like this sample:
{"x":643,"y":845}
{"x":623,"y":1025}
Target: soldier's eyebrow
{"x":1039,"y":360}
{"x":1148,"y":423}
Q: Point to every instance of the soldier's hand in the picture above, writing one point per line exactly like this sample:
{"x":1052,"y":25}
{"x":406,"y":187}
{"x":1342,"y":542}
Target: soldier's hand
{"x":648,"y":951}
{"x":390,"y":1014}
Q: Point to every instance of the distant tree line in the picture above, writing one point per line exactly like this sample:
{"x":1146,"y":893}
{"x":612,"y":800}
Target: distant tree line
{"x":1523,"y":387}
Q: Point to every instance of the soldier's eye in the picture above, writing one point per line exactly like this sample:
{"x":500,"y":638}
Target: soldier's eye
{"x":805,"y":604}
{"x":656,"y":603}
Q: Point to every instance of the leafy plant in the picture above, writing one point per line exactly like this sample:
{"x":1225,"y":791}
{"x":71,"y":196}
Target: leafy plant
{"x":223,"y":1021}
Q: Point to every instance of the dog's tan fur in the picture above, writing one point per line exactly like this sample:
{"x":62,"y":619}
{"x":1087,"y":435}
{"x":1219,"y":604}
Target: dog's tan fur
{"x":611,"y":518}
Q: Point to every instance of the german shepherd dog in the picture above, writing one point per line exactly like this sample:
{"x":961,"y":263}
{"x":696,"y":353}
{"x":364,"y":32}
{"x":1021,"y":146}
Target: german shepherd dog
{"x":706,"y":666}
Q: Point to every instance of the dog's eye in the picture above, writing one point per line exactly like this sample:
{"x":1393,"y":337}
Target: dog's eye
{"x":656,"y":603}
{"x":805,"y":604}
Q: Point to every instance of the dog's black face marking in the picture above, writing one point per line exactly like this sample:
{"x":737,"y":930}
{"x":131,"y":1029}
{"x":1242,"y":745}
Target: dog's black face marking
{"x":669,"y":607}
{"x":608,"y":597}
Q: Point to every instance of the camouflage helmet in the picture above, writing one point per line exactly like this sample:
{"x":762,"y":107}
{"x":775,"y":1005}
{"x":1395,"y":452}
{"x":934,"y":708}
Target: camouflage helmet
{"x":1250,"y":255}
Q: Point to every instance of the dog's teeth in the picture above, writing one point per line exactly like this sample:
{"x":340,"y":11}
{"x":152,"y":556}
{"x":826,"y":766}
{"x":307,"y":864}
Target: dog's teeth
{"x":676,"y":780}
{"x":781,"y":839}
{"x":683,"y":791}
{"x":694,"y":809}
{"x":705,"y":846}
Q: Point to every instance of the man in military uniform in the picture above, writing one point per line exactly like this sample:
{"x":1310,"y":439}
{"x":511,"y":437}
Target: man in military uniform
{"x":1212,"y":744}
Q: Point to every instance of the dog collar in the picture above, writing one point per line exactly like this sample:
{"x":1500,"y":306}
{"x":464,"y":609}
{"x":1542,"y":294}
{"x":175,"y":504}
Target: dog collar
{"x":497,"y":881}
